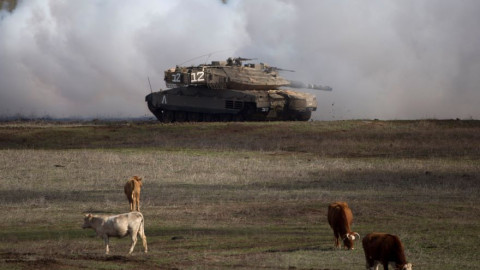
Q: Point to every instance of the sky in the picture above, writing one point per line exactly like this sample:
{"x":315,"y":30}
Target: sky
{"x":387,"y":60}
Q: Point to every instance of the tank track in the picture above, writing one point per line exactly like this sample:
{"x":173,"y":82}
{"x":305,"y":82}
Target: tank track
{"x":170,"y":116}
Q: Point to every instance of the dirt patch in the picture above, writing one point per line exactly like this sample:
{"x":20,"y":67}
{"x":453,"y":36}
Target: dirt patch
{"x":29,"y":260}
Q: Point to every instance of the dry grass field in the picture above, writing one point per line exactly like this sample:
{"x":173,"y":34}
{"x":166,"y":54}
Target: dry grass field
{"x":239,"y":195}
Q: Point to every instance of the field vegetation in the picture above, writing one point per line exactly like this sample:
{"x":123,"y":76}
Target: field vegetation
{"x":239,"y":195}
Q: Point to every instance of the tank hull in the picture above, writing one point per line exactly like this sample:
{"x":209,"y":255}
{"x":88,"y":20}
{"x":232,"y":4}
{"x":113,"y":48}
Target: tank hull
{"x":205,"y":104}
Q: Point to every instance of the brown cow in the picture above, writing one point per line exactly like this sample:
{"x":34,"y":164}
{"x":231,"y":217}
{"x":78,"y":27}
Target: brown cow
{"x":132,"y":190}
{"x":340,"y":218}
{"x":382,"y":248}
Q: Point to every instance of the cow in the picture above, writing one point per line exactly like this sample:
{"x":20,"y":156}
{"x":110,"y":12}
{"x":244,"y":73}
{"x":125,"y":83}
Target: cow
{"x":131,"y":223}
{"x":340,"y":218}
{"x":383,"y":248}
{"x":132,"y":191}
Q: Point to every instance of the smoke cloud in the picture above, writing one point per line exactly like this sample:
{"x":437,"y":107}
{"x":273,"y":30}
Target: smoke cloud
{"x":387,"y":60}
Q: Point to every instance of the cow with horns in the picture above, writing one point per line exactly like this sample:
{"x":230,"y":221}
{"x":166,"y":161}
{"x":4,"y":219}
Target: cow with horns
{"x":340,"y":218}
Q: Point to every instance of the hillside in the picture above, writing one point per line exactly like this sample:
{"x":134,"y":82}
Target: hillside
{"x":239,"y":195}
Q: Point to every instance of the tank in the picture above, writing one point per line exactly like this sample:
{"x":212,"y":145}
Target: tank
{"x":231,"y":91}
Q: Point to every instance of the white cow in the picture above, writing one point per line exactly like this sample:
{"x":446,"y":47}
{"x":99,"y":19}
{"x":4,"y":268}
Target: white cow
{"x":118,"y":226}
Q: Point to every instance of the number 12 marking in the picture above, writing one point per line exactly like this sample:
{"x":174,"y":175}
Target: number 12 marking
{"x":198,"y":77}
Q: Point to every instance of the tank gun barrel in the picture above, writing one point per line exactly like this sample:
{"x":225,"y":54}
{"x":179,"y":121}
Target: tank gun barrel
{"x":283,"y":69}
{"x":270,"y":69}
{"x":298,"y":84}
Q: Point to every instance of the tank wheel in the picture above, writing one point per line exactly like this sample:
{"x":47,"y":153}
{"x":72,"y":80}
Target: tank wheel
{"x":194,"y":117}
{"x":238,"y":118}
{"x":225,"y":117}
{"x":208,"y":117}
{"x":304,"y":116}
{"x":249,"y":112}
{"x":168,"y":116}
{"x":180,"y":116}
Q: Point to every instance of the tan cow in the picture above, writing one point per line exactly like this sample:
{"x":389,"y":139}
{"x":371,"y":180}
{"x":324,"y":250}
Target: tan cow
{"x":132,"y":191}
{"x":131,"y":223}
{"x":340,"y":218}
{"x":382,"y":248}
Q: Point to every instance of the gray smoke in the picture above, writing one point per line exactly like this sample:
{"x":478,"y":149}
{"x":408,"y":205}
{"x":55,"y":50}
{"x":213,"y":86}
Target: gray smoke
{"x":384,"y":59}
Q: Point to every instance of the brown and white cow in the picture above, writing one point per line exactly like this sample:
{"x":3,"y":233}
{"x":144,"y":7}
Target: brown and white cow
{"x":340,"y":218}
{"x":131,"y":223}
{"x":383,"y":248}
{"x":132,"y":191}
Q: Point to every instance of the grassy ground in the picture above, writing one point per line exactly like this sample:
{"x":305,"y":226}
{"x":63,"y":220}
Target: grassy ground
{"x":239,"y":195}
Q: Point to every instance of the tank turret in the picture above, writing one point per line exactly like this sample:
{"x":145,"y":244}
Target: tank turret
{"x":231,"y":90}
{"x":233,"y":74}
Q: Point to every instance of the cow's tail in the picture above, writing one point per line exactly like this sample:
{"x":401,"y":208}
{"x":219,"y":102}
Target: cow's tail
{"x":141,"y":231}
{"x":142,"y":224}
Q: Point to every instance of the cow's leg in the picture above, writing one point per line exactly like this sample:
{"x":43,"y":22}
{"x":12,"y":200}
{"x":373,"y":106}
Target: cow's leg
{"x":132,"y":203}
{"x":138,"y":202}
{"x":337,"y":243}
{"x":385,"y":265}
{"x":370,"y":263}
{"x":134,"y":241}
{"x":135,"y":203}
{"x":105,"y":239}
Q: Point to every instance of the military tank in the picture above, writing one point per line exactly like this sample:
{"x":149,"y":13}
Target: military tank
{"x":231,"y":90}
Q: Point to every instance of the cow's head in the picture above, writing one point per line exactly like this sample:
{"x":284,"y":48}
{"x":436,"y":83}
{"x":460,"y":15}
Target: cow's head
{"x":87,"y":221}
{"x":138,"y":179}
{"x":349,"y":238}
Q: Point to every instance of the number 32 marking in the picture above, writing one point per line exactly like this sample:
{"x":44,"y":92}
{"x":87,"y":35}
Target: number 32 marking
{"x":176,"y":77}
